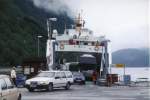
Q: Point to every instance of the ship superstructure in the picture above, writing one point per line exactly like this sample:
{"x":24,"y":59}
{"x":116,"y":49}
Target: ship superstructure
{"x":77,"y":39}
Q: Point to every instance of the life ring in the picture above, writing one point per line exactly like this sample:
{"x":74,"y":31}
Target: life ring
{"x":96,"y":48}
{"x":61,"y":46}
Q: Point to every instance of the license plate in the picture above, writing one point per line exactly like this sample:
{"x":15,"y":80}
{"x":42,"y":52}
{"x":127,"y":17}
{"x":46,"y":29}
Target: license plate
{"x":33,"y":84}
{"x":78,"y":80}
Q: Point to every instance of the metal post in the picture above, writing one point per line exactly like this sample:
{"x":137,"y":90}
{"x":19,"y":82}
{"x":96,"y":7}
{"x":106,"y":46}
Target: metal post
{"x":38,"y":46}
{"x":102,"y":65}
{"x":48,"y":28}
{"x":52,"y":42}
{"x":124,"y":70}
{"x":110,"y":70}
{"x":106,"y":62}
{"x":54,"y":56}
{"x":124,"y":77}
{"x":39,"y":36}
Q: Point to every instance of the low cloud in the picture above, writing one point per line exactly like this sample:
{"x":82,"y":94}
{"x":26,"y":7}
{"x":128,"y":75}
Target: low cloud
{"x":124,"y":22}
{"x":55,"y":6}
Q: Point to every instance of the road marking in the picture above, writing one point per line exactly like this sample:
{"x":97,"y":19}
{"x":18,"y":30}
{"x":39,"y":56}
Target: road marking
{"x":124,"y":98}
{"x":74,"y":98}
{"x":108,"y":91}
{"x":65,"y":98}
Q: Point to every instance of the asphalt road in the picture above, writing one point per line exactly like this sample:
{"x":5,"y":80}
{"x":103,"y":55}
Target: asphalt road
{"x":90,"y":92}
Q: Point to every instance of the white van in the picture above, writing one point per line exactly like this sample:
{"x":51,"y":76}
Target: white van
{"x":49,"y":80}
{"x":8,"y":90}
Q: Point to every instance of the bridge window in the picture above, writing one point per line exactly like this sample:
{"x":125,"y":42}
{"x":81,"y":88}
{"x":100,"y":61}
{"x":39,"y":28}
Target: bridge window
{"x":85,"y":43}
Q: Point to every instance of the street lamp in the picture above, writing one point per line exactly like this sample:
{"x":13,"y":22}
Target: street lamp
{"x":49,"y":26}
{"x":39,"y":36}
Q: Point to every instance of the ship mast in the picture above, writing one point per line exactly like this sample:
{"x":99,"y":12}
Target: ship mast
{"x":79,"y":24}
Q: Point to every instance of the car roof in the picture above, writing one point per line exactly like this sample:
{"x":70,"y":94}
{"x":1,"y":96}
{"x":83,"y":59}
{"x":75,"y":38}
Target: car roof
{"x":77,"y":73}
{"x":3,"y":76}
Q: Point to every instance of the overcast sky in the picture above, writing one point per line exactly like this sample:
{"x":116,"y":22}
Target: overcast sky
{"x":124,"y":22}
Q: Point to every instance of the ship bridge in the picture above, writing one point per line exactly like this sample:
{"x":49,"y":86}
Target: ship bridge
{"x":72,"y":41}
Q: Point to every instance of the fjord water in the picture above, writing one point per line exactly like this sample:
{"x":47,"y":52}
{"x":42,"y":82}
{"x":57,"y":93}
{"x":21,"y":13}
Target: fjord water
{"x":134,"y":72}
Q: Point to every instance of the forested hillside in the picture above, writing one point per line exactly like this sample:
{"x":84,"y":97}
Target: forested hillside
{"x":20,"y":23}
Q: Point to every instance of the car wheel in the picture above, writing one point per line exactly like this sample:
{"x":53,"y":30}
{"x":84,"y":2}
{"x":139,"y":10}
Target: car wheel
{"x":67,"y":87}
{"x":83,"y":82}
{"x":31,"y":90}
{"x":50,"y":87}
{"x":19,"y":97}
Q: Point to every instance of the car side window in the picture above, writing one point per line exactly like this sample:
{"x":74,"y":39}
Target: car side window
{"x":69,"y":75}
{"x":58,"y":75}
{"x":63,"y":75}
{"x":3,"y":84}
{"x":9,"y":83}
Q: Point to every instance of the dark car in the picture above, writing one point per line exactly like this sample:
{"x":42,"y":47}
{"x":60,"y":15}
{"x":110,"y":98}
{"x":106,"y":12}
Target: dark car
{"x":20,"y":80}
{"x":78,"y":77}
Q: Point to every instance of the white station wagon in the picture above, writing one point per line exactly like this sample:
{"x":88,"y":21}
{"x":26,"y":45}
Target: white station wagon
{"x":49,"y":80}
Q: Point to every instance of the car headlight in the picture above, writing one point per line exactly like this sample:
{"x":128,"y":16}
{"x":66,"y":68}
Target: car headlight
{"x":28,"y":82}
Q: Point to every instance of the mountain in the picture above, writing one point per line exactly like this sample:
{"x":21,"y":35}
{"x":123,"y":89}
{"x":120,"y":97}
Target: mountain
{"x":132,"y":57}
{"x":20,"y":24}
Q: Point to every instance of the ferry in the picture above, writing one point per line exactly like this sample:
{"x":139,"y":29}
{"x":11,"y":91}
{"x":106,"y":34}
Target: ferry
{"x":78,"y":41}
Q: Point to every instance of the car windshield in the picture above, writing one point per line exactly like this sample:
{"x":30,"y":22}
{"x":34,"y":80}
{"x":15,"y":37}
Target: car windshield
{"x":46,"y":74}
{"x":77,"y":74}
